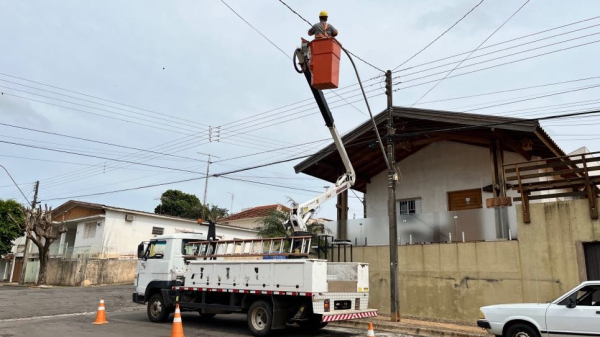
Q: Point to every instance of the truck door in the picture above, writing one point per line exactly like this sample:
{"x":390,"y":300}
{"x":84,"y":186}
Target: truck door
{"x":581,"y":319}
{"x":154,"y":266}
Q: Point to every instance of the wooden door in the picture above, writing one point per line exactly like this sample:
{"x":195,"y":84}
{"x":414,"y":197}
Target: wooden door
{"x":465,"y":199}
{"x":17,"y":270}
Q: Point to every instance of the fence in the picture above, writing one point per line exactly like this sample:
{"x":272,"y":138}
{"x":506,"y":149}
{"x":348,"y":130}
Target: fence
{"x":484,"y":224}
{"x":573,"y":176}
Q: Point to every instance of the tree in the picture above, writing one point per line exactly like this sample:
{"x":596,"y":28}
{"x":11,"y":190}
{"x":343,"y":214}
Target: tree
{"x":9,"y":229}
{"x":273,"y":225}
{"x":184,"y":205}
{"x":40,"y":229}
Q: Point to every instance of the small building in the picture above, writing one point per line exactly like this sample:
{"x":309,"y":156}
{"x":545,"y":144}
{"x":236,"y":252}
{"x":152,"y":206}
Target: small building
{"x":250,"y":217}
{"x":448,"y":165}
{"x":461,"y":246}
{"x":109,"y":231}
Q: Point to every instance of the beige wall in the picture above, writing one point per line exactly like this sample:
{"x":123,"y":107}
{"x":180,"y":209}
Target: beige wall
{"x":451,"y":281}
{"x":90,"y":271}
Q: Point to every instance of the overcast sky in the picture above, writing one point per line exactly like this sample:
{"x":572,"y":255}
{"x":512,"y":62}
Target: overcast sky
{"x":156,"y":74}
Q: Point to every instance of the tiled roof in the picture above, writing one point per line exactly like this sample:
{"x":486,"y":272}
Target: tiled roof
{"x":255,"y":212}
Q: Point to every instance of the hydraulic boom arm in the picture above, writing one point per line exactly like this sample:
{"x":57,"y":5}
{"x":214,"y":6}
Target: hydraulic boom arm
{"x":301,"y":213}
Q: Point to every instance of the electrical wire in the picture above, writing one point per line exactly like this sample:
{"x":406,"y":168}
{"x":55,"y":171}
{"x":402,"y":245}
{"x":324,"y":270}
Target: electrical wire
{"x":471,"y":53}
{"x":437,"y":38}
{"x":310,"y":24}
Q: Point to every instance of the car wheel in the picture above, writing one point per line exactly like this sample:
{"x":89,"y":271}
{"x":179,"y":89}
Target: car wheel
{"x":157,"y":311}
{"x":260,"y":318}
{"x":522,"y":330}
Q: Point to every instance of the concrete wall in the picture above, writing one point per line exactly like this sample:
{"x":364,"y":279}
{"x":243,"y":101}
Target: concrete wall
{"x":451,"y":281}
{"x":90,"y":272}
{"x":432,"y":172}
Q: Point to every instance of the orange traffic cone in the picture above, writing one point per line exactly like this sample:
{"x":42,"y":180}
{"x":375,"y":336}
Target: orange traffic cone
{"x":101,"y":314}
{"x":370,"y":333}
{"x":177,"y":329}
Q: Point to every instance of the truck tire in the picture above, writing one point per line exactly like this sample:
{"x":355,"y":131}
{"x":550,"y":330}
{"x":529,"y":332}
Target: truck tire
{"x":522,"y":330}
{"x":157,"y":311}
{"x":260,"y":318}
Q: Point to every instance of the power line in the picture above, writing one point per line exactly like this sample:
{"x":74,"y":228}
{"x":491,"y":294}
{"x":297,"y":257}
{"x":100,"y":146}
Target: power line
{"x":437,"y":38}
{"x":258,"y":31}
{"x":509,"y":90}
{"x":484,"y":41}
{"x":310,"y":24}
{"x":94,"y":156}
{"x":180,"y":181}
{"x":98,"y":141}
{"x":491,"y":67}
{"x":507,"y":41}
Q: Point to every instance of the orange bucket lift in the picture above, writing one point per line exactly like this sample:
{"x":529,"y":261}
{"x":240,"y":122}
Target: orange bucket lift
{"x":325,"y":63}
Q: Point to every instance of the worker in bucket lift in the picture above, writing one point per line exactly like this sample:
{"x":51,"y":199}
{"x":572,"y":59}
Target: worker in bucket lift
{"x":322,"y":30}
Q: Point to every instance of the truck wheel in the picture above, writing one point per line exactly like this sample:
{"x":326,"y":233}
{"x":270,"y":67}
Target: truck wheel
{"x":260,"y":318}
{"x":157,"y":311}
{"x":522,"y":330}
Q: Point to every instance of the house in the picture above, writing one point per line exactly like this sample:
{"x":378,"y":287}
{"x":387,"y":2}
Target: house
{"x":250,"y":217}
{"x":440,"y":172}
{"x":489,"y":210}
{"x":108,"y":231}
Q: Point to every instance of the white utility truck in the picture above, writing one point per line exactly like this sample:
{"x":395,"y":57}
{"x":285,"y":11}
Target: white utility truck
{"x":273,"y":280}
{"x":576,"y":313}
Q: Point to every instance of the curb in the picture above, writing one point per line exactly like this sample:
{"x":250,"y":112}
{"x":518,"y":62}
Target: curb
{"x":408,"y":330}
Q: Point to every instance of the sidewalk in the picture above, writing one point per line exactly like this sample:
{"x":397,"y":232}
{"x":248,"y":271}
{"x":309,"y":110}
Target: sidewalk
{"x":415,"y":327}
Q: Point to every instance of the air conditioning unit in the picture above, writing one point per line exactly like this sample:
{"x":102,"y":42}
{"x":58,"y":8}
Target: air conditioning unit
{"x":129,"y":217}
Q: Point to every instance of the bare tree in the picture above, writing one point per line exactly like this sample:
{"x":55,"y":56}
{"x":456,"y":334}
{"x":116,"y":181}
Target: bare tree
{"x":42,"y":232}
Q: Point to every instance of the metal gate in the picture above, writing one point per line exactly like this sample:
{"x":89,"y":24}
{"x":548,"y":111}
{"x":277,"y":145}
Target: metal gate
{"x":592,"y":260}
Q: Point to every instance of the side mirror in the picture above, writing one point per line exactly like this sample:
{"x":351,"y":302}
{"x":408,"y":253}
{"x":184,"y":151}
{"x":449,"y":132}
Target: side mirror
{"x":140,"y":250}
{"x":571,"y":303}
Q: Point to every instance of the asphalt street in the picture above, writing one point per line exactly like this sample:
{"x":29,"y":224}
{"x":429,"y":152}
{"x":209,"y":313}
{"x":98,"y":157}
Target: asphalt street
{"x":58,"y":311}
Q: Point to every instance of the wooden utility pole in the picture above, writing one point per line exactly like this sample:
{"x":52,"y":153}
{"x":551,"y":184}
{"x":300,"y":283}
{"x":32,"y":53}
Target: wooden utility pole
{"x":393,"y":223}
{"x":205,"y":189}
{"x":25,"y":252}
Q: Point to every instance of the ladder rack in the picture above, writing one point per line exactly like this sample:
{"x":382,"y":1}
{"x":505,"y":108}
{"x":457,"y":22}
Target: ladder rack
{"x":297,"y":246}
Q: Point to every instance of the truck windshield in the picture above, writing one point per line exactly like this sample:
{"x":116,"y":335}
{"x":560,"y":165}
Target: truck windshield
{"x":156,"y":249}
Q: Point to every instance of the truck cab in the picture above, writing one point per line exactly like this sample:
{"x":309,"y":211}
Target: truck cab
{"x":160,"y":263}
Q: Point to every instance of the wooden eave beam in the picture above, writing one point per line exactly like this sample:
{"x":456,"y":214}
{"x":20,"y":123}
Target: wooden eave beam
{"x":515,"y":147}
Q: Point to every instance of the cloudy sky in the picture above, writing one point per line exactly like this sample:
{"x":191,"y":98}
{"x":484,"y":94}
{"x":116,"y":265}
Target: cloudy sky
{"x":158,"y":75}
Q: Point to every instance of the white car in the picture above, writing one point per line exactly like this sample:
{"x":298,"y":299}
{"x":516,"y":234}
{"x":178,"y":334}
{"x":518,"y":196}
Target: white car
{"x":576,"y":313}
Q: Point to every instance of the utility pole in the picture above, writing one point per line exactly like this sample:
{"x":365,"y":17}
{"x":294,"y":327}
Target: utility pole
{"x":231,"y":207}
{"x":205,"y":189}
{"x":25,"y":252}
{"x":204,"y":207}
{"x":393,"y":223}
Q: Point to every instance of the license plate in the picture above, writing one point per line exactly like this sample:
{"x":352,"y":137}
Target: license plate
{"x":341,"y":305}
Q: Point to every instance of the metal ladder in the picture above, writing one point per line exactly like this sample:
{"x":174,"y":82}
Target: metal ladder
{"x":297,"y":246}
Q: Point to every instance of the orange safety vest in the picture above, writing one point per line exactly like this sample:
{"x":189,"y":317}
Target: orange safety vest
{"x":325,"y":35}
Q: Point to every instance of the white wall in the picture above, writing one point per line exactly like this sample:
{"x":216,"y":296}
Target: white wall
{"x":432,"y":172}
{"x":121,"y":237}
{"x":251,"y":223}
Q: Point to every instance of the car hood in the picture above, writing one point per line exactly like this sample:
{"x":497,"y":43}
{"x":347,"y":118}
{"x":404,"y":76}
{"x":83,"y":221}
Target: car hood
{"x":516,"y":306}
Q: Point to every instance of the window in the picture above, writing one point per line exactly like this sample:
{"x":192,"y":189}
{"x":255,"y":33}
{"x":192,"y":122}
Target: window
{"x":465,"y":199}
{"x":157,"y":230}
{"x":586,"y":296}
{"x":409,"y":206}
{"x":89,"y":230}
{"x":156,"y":249}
